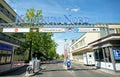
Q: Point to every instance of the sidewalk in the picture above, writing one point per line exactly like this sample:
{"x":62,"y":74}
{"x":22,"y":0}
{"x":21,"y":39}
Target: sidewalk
{"x":111,"y":74}
{"x":29,"y":75}
{"x":12,"y":70}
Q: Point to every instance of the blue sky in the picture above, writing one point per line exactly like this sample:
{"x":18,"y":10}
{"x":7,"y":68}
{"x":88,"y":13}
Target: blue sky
{"x":96,"y":10}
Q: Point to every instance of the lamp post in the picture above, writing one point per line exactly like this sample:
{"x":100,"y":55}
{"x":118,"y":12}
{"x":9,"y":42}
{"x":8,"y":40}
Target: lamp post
{"x":65,"y":49}
{"x":30,"y":51}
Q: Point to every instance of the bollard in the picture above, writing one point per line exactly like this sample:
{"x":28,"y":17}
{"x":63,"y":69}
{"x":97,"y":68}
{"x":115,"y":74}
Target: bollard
{"x":29,"y":69}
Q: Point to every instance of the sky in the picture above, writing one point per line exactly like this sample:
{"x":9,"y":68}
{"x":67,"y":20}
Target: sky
{"x":104,"y":11}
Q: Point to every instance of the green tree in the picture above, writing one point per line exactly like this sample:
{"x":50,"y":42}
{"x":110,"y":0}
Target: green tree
{"x":62,"y":56}
{"x":41,"y":42}
{"x":57,"y":56}
{"x":36,"y":42}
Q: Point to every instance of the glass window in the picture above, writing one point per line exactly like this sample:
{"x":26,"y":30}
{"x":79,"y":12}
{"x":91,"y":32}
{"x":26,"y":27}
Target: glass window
{"x":96,"y":55}
{"x":3,"y":58}
{"x":111,"y":31}
{"x":8,"y":59}
{"x":107,"y":55}
{"x":72,"y":48}
{"x":76,"y":46}
{"x":118,"y":30}
{"x":101,"y":54}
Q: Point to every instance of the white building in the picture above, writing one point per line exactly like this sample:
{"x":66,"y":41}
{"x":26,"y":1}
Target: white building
{"x":103,"y":44}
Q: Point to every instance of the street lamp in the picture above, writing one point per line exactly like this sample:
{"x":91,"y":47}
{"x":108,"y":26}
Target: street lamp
{"x":30,"y":51}
{"x":65,"y":49}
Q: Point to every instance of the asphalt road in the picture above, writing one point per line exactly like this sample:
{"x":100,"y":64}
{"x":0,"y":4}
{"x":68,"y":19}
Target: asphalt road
{"x":59,"y":70}
{"x":20,"y":72}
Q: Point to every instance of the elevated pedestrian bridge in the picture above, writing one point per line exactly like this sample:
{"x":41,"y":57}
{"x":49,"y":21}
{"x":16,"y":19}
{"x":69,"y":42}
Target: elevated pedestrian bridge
{"x":52,"y":25}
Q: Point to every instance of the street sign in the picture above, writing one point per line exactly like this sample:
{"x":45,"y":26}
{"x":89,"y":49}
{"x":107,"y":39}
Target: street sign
{"x":116,"y":52}
{"x":52,"y":30}
{"x":16,"y":29}
{"x":86,"y":29}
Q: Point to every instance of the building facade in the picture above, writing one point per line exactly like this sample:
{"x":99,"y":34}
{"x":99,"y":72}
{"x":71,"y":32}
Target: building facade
{"x":7,"y":14}
{"x":7,"y":43}
{"x":104,"y":45}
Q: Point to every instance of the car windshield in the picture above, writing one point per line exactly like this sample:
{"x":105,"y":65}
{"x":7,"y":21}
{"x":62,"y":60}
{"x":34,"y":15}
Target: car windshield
{"x":55,"y":38}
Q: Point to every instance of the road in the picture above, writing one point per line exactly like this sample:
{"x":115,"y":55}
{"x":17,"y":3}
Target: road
{"x":20,"y":72}
{"x":59,"y":70}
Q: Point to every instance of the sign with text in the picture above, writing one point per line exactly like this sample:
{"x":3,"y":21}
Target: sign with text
{"x":86,"y":30}
{"x":116,"y":52}
{"x":52,"y":30}
{"x":16,"y":29}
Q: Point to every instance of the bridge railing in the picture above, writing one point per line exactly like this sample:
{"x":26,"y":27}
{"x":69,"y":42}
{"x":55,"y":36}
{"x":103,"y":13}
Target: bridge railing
{"x":52,"y":24}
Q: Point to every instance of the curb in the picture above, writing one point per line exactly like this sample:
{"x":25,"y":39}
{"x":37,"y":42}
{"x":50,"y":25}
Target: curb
{"x":29,"y":75}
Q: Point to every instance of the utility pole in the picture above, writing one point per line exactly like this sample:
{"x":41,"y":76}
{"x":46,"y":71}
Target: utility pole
{"x":65,"y":49}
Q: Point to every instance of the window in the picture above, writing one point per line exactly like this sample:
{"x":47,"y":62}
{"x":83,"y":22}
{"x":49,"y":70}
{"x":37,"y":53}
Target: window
{"x":2,"y":21}
{"x":5,"y":56}
{"x":96,"y":55}
{"x":72,"y":48}
{"x":118,"y":30}
{"x":99,"y":55}
{"x":111,"y":31}
{"x":107,"y":55}
{"x":76,"y":45}
{"x":8,"y":59}
{"x":90,"y":56}
{"x":7,"y":13}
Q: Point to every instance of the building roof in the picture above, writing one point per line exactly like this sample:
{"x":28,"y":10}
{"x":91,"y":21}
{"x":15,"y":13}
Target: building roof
{"x":106,"y":38}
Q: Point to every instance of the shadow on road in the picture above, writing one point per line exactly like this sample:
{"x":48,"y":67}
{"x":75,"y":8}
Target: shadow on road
{"x":74,"y":69}
{"x":80,"y":69}
{"x":16,"y":72}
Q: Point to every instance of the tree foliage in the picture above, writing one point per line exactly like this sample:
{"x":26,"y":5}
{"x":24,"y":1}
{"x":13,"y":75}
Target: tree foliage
{"x":41,"y":42}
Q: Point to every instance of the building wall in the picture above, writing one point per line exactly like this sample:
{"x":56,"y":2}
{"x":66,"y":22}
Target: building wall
{"x":78,"y":58}
{"x":90,"y":37}
{"x":84,"y":40}
{"x":114,"y":29}
{"x":114,"y":26}
{"x":87,"y":38}
{"x":7,"y":14}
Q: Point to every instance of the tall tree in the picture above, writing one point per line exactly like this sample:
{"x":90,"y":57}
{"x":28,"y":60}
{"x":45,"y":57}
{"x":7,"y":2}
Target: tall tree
{"x":36,"y":42}
{"x":39,"y":42}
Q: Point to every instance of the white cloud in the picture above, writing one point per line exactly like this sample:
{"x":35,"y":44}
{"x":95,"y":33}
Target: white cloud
{"x":75,"y":9}
{"x":67,"y":9}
